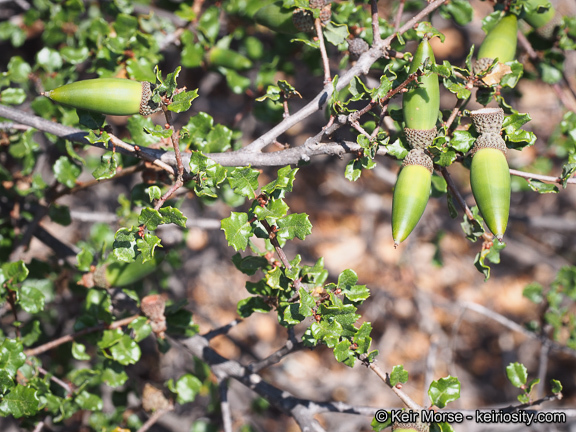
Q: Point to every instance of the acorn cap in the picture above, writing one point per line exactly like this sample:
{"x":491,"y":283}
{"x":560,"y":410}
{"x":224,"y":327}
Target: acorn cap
{"x":489,"y":140}
{"x":488,"y":120}
{"x":325,"y":14}
{"x":357,"y":47}
{"x":548,"y":30}
{"x":147,"y":106}
{"x":317,"y":3}
{"x":303,"y":20}
{"x":418,"y":157}
{"x":420,"y":138}
{"x":416,"y":427}
{"x":482,"y":64}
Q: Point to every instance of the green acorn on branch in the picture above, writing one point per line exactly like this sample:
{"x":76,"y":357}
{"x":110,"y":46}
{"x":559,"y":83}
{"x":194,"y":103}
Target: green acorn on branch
{"x":499,"y":43}
{"x":420,"y":105}
{"x":543,"y":17}
{"x":109,"y":96}
{"x":489,"y":172}
{"x":282,"y":20}
{"x":119,"y":273}
{"x":228,"y":58}
{"x":411,"y":194}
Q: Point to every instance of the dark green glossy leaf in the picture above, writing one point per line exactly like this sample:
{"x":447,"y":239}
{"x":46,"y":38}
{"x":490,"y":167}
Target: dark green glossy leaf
{"x":444,"y":391}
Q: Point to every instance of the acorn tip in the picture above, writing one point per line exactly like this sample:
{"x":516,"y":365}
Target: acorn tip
{"x":500,"y":237}
{"x":396,"y":244}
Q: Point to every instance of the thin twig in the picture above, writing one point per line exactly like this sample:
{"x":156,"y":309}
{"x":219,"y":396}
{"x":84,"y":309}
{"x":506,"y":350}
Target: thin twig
{"x":544,"y":178}
{"x":222,"y":330}
{"x":88,"y":184}
{"x":69,"y":338}
{"x":375,"y":21}
{"x":456,"y":193}
{"x":24,"y":241}
{"x":540,"y":401}
{"x":53,"y":378}
{"x":323,"y":53}
{"x":508,"y":323}
{"x":290,"y":347}
{"x":459,"y":105}
{"x":39,"y":426}
{"x":155,"y":417}
{"x":225,"y":406}
{"x":406,"y":400}
{"x":280,"y":251}
{"x":399,"y":13}
{"x":543,"y":366}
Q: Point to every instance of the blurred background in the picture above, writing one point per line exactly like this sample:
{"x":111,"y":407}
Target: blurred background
{"x":421,"y":293}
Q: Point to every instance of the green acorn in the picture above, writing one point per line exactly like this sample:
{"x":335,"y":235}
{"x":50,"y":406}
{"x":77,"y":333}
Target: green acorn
{"x":536,"y":18}
{"x":228,"y":58}
{"x":421,"y":104}
{"x":110,"y":96}
{"x":282,"y":20}
{"x":119,"y":274}
{"x":411,"y":194}
{"x":500,"y":43}
{"x":489,"y":172}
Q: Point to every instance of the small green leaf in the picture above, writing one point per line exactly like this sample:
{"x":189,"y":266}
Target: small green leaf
{"x":517,"y":374}
{"x":398,"y":375}
{"x":11,"y":356}
{"x":154,"y":193}
{"x":533,"y":292}
{"x":186,"y":388}
{"x":556,"y":386}
{"x":294,"y":225}
{"x":182,"y":101}
{"x":12,"y":96}
{"x":126,"y":351}
{"x":327,"y":331}
{"x":459,"y":10}
{"x":88,"y":401}
{"x":249,"y":264}
{"x":79,"y":351}
{"x":31,"y":299}
{"x":307,"y":303}
{"x":336,"y":34}
{"x":397,"y":149}
{"x":568,"y":171}
{"x":473,"y":228}
{"x":271,"y":212}
{"x":491,"y":254}
{"x":250,"y":305}
{"x":108,"y":166}
{"x":344,"y":354}
{"x":125,"y":244}
{"x":173,"y":215}
{"x":114,"y":374}
{"x":147,"y":246}
{"x":15,"y":272}
{"x":244,"y":181}
{"x":140,"y":328}
{"x":66,"y":172}
{"x":462,"y":141}
{"x":444,"y":390}
{"x":21,"y":401}
{"x":158,"y":131}
{"x":237,"y":230}
{"x":150,"y":218}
